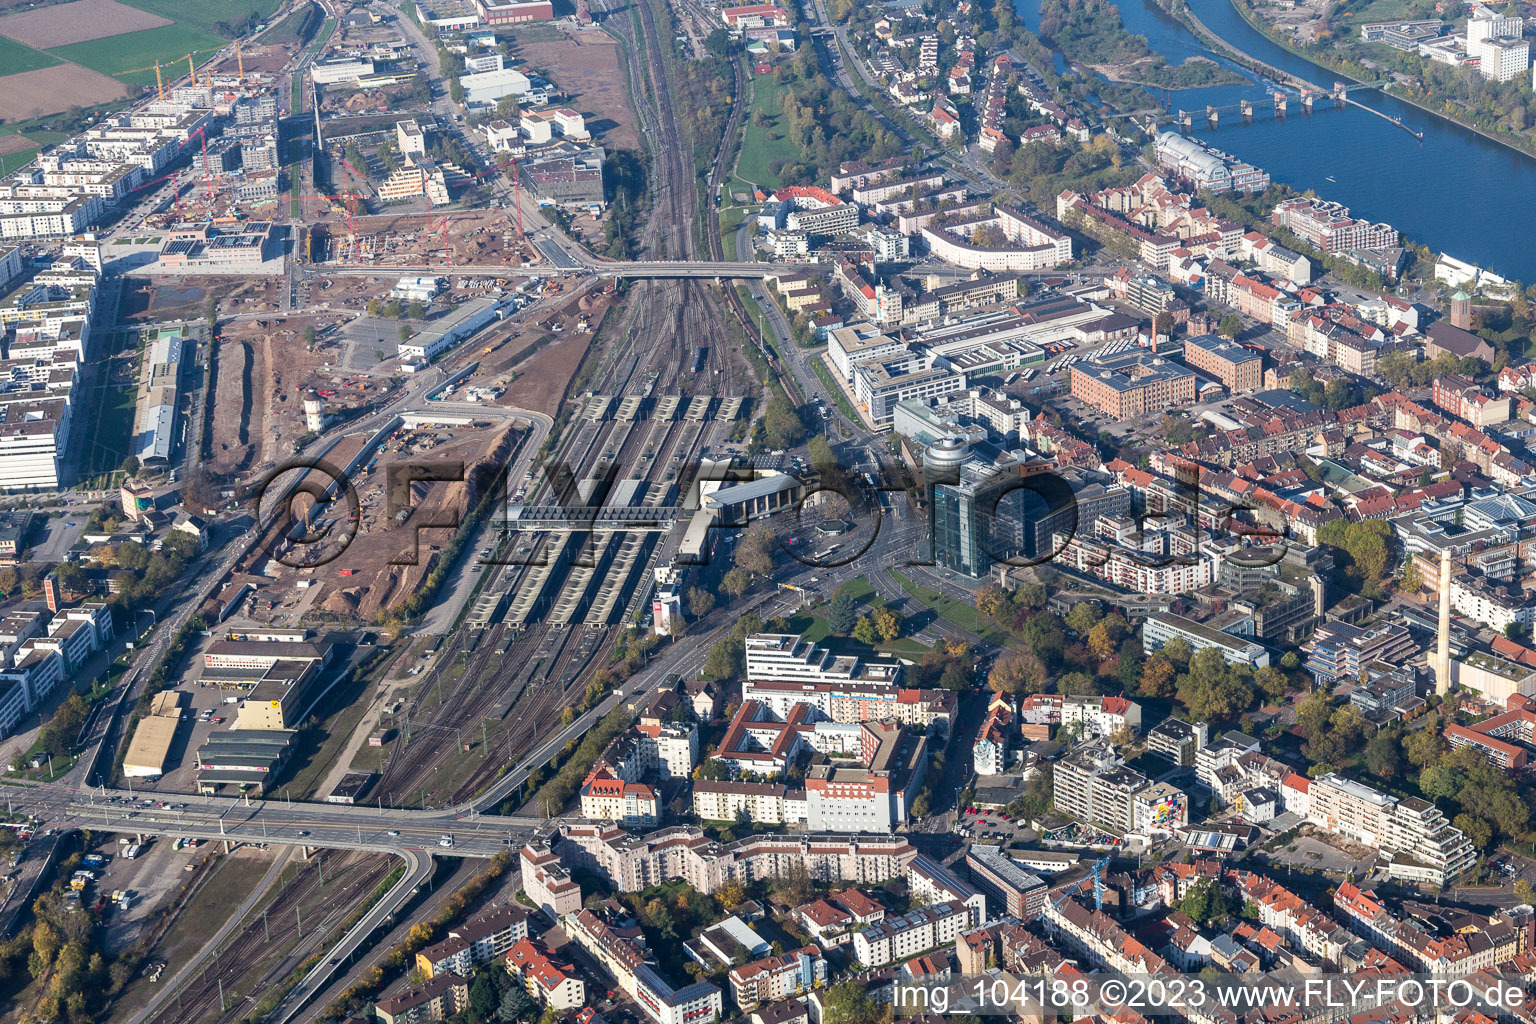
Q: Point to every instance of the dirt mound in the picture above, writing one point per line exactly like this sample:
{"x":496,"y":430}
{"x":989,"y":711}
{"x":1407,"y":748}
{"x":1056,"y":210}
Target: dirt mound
{"x":481,"y":474}
{"x":343,"y":602}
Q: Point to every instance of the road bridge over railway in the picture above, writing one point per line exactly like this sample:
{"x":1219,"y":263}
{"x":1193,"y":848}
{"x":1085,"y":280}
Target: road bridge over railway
{"x":454,"y":832}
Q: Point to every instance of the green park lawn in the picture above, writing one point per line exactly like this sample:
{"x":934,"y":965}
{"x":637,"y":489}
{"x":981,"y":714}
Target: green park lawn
{"x":762,"y":145}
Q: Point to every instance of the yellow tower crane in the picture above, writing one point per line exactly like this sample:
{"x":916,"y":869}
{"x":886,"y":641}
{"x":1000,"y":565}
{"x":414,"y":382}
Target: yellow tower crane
{"x":160,"y":78}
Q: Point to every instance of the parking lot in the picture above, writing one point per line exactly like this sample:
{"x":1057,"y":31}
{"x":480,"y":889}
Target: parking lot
{"x":204,"y":709}
{"x":993,"y":827}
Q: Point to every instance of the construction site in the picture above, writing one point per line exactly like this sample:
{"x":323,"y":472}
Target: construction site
{"x":478,"y":238}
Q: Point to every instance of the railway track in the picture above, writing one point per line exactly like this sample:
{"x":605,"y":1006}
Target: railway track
{"x":524,"y":682}
{"x":273,"y":940}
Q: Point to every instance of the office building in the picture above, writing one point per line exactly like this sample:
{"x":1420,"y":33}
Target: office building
{"x":1132,"y":384}
{"x":848,"y":346}
{"x":1009,"y":887}
{"x":985,"y":509}
{"x":1339,"y":650}
{"x":1236,"y":650}
{"x":1238,"y":367}
{"x":409,"y":137}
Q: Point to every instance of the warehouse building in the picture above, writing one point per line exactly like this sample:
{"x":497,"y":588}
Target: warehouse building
{"x":445,"y":333}
{"x":571,"y":179}
{"x":154,"y":419}
{"x":151,"y":747}
{"x":242,"y":759}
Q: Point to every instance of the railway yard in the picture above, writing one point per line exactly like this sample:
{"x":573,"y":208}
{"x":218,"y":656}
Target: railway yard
{"x":551,"y":604}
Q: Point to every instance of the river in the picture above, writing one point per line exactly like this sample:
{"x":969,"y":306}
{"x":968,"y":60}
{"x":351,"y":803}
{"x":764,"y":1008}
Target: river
{"x":1426,"y":189}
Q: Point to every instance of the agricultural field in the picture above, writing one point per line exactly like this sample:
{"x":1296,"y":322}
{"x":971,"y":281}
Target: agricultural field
{"x":217,"y":17}
{"x":50,"y":90}
{"x":47,"y":27}
{"x":18,"y":57}
{"x":91,"y":52}
{"x":130,"y":57}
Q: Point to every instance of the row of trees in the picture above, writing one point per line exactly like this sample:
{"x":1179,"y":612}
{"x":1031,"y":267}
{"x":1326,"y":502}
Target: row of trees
{"x":826,"y":124}
{"x":1090,"y":652}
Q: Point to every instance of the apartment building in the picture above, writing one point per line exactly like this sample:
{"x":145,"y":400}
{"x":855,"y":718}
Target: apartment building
{"x":764,"y":803}
{"x":989,"y":754}
{"x":1093,"y":784}
{"x":1414,"y":839}
{"x":1264,"y":302}
{"x":1445,"y":946}
{"x":1160,"y":562}
{"x":547,"y":882}
{"x":900,"y":938}
{"x":1216,"y":762}
{"x":832,"y":920}
{"x":875,"y":793}
{"x":553,"y":982}
{"x":1090,"y":716}
{"x":1328,"y":226}
{"x":1505,"y":739}
{"x":1468,"y":400}
{"x":778,"y":977}
{"x":1132,"y":384}
{"x":1030,"y":244}
{"x":479,"y":941}
{"x":629,"y":963}
{"x":437,"y":998}
{"x":1177,"y":740}
{"x":632,"y":862}
{"x":931,"y":883}
{"x":1494,"y":603}
{"x":607,"y":797}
